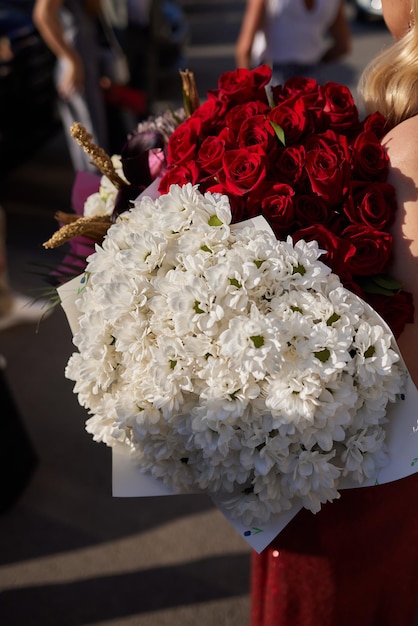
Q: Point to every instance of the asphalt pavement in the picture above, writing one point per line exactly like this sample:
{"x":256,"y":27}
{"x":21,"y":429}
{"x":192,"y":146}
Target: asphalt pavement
{"x":70,"y":553}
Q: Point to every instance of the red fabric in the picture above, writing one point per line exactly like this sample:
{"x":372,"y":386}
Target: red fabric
{"x":355,"y":563}
{"x":85,"y":184}
{"x":124,"y":97}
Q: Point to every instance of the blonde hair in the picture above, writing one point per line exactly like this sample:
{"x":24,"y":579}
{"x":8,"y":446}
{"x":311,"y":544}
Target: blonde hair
{"x":389,"y":83}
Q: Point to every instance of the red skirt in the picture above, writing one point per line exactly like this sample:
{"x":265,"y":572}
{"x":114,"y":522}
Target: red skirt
{"x":355,"y":563}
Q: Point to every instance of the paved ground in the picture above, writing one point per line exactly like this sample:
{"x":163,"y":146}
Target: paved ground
{"x":70,"y":554}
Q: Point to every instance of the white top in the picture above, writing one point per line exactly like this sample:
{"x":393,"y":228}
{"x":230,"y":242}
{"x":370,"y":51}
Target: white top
{"x":294,"y":34}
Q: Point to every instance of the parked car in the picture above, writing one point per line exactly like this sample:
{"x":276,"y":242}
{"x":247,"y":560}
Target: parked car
{"x":368,"y":9}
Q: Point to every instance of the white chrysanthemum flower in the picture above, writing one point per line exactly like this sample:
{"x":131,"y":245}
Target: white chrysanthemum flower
{"x":375,"y":357}
{"x":96,"y":205}
{"x":365,"y":453}
{"x":293,"y":396}
{"x":230,"y":362}
{"x":252,"y":343}
{"x":312,"y":476}
{"x":103,"y":201}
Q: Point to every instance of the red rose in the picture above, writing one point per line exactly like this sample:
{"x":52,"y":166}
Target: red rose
{"x":310,"y":210}
{"x":293,"y":118}
{"x":396,"y":310}
{"x":243,"y":170}
{"x":370,"y":160}
{"x":257,"y":131}
{"x":242,"y":85}
{"x":339,"y":112}
{"x":372,"y":249}
{"x":211,"y":115}
{"x":180,"y":175}
{"x":376,"y":124}
{"x":228,"y":137}
{"x":183,"y":143}
{"x":338,"y":251}
{"x":210,"y":154}
{"x":338,"y":143}
{"x":277,"y":207}
{"x":289,"y":165}
{"x":300,"y":86}
{"x":235,"y":118}
{"x":374,"y":204}
{"x":328,"y":172}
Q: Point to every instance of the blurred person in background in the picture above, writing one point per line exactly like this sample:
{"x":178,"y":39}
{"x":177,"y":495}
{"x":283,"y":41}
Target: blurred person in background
{"x":138,"y":43}
{"x":15,"y":308}
{"x":296,"y":37}
{"x":69,"y":28}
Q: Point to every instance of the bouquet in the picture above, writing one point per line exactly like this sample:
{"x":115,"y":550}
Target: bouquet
{"x":246,"y":363}
{"x":230,"y":362}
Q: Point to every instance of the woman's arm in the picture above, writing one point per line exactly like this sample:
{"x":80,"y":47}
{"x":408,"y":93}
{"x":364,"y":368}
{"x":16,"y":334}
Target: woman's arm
{"x":402,"y":147}
{"x":47,"y":21}
{"x":341,"y":36}
{"x":252,"y":22}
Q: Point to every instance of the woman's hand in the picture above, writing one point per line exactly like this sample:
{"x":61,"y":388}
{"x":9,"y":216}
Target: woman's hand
{"x":71,"y":81}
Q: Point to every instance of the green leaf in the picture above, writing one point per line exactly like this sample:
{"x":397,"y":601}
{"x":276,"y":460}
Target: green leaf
{"x":387,"y":282}
{"x":382,"y":285}
{"x":233,"y":281}
{"x":279,"y":132}
{"x":270,"y":100}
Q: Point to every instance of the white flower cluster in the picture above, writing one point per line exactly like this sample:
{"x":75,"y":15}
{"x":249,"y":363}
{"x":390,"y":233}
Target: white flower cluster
{"x":228,"y":361}
{"x":102,"y":202}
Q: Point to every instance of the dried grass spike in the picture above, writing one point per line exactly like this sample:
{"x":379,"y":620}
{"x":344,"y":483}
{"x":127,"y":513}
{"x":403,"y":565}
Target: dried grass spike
{"x":100,"y":158}
{"x":94,"y":228}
